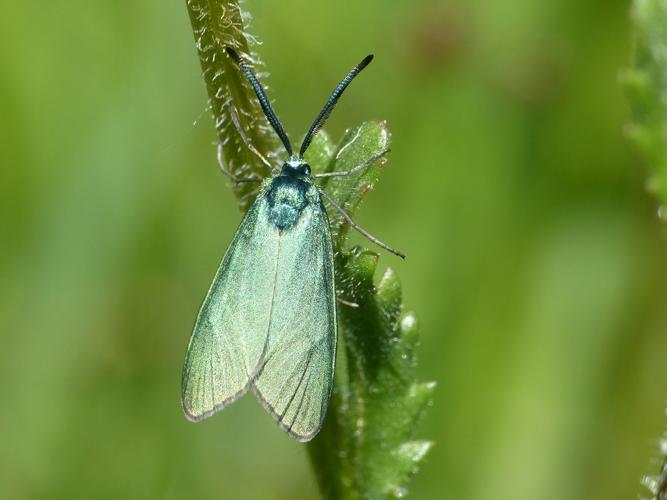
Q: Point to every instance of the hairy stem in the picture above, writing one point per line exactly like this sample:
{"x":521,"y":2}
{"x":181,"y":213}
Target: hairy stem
{"x":217,"y":24}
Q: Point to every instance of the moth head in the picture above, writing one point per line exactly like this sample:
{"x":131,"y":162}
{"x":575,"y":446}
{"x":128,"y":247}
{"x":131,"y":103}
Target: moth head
{"x":296,"y":167}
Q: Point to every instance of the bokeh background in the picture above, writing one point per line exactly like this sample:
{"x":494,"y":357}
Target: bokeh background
{"x":536,"y":262}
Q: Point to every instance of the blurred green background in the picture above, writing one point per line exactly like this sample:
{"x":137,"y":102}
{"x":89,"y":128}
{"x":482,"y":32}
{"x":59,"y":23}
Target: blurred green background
{"x":536,"y":263}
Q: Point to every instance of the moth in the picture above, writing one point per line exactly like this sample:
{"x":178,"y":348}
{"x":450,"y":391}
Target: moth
{"x":268,"y":323}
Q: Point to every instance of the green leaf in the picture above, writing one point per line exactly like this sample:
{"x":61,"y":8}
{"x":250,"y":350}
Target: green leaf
{"x":367,"y":447}
{"x":646,"y":88}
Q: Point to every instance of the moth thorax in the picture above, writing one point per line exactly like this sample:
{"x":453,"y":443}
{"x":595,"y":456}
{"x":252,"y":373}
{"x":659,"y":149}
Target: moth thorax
{"x":287,"y":198}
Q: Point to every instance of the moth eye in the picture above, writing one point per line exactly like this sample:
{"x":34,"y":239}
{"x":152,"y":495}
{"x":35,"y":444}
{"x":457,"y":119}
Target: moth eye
{"x":306,"y":169}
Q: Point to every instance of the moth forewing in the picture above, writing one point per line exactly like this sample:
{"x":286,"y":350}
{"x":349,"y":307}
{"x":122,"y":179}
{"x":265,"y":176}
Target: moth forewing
{"x":296,"y":378}
{"x":230,"y":333}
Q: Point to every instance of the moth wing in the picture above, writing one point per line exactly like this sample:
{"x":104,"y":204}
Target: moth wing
{"x":296,"y":377}
{"x":231,"y":330}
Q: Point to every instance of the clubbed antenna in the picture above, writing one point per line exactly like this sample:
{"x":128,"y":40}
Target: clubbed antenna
{"x":263,"y":100}
{"x":331,"y":103}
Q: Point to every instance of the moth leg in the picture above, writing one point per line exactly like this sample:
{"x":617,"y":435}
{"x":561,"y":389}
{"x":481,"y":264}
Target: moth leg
{"x":347,"y":303}
{"x":356,"y":226}
{"x":246,"y":141}
{"x":235,"y":180}
{"x":356,"y":169}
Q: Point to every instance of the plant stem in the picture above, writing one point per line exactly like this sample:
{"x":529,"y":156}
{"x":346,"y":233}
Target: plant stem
{"x":217,"y":24}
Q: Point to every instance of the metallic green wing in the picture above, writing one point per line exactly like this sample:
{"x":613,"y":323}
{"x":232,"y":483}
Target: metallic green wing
{"x":230,"y":334}
{"x":295,"y":379}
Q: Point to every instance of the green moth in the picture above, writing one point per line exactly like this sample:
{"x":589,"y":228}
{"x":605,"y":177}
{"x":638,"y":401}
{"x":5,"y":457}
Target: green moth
{"x":268,"y":322}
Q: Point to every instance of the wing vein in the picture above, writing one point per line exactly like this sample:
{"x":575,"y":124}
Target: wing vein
{"x":262,"y":361}
{"x":303,"y":396}
{"x":296,"y":390}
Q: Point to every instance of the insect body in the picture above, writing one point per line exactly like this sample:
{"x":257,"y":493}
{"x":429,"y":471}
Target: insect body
{"x":268,"y":323}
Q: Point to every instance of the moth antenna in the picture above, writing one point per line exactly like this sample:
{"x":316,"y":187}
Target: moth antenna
{"x":331,"y":103}
{"x":263,"y":100}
